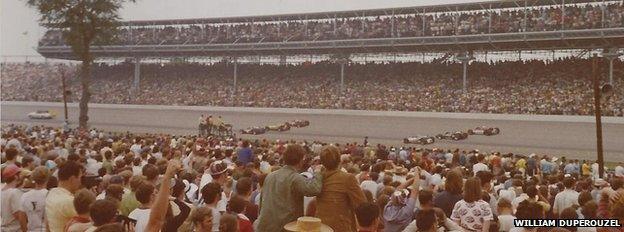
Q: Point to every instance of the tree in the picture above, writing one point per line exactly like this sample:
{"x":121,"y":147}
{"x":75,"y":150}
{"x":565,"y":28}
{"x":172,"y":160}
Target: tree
{"x":83,"y":23}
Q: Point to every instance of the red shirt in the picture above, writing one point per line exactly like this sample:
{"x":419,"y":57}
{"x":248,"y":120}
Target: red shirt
{"x":244,"y":225}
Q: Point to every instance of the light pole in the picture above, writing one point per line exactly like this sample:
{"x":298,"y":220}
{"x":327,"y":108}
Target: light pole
{"x":611,"y":54}
{"x":465,"y":58}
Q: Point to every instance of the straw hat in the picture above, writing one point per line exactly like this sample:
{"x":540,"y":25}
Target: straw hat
{"x":308,"y":224}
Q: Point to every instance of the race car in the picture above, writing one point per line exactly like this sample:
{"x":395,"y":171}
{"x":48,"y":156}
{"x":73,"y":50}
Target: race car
{"x":281,"y":127}
{"x":457,"y":135}
{"x":422,"y":140}
{"x":298,"y":123}
{"x":484,"y":130}
{"x":256,"y":130}
{"x":41,"y":114}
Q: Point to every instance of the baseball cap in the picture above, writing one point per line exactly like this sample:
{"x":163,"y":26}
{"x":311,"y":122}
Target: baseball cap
{"x":11,"y":170}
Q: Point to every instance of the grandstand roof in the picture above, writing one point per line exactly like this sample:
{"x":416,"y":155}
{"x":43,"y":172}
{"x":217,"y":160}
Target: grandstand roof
{"x":366,"y":12}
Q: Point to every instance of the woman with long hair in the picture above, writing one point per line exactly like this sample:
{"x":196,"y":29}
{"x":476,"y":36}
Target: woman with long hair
{"x":452,"y":192}
{"x":472,"y":213}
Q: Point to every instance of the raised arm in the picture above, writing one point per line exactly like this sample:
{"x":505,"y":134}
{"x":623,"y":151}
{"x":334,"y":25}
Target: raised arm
{"x":159,"y":210}
{"x":309,"y":187}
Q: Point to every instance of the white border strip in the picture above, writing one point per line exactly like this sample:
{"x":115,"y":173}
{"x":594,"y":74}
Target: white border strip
{"x":479,"y":116}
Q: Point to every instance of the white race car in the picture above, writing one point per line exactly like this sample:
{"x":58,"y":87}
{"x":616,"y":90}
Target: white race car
{"x":484,"y":130}
{"x":422,"y":140}
{"x":41,"y":114}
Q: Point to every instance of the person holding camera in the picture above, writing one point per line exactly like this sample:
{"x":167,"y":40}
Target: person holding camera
{"x":399,"y":211}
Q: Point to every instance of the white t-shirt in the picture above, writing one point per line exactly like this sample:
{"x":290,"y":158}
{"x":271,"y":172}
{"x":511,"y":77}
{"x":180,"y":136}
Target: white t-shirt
{"x":619,"y":171}
{"x":565,"y":199}
{"x":479,"y":167}
{"x":216,"y":217}
{"x":136,"y":148}
{"x":33,"y":204}
{"x":93,"y":166}
{"x":10,"y":205}
{"x":436,"y":180}
{"x":371,"y":186}
{"x":505,"y":222}
{"x":141,"y":216}
{"x":137,"y":170}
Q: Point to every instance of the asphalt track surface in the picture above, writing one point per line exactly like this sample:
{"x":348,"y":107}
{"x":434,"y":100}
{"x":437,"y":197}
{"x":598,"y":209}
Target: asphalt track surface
{"x":570,"y":136}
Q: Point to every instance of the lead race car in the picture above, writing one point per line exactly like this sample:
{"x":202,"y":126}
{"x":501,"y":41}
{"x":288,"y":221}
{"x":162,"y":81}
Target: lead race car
{"x":420,"y":139}
{"x":298,"y":123}
{"x":42,"y":114}
{"x":256,"y":130}
{"x":281,"y":127}
{"x":457,"y":135}
{"x":484,"y":130}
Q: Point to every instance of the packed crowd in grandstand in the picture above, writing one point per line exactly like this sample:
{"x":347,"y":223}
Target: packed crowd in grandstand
{"x":562,"y":87}
{"x":100,"y":181}
{"x":548,"y":18}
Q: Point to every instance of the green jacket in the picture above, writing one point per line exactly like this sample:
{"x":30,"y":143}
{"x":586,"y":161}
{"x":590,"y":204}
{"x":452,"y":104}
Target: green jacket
{"x":282,"y":198}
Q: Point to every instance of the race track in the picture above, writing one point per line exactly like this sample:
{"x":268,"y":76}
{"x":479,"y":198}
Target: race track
{"x":569,"y":136}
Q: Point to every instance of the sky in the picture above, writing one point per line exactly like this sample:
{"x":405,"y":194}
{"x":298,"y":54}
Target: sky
{"x":19,"y":30}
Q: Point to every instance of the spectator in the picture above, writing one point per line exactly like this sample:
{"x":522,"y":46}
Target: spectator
{"x":283,"y":191}
{"x":452,"y":193}
{"x":426,"y":220}
{"x":13,"y":216}
{"x":367,"y":215}
{"x":245,"y":154}
{"x":237,"y":206}
{"x":83,"y":200}
{"x":59,"y":201}
{"x":129,"y":201}
{"x":102,"y":212}
{"x":177,"y":192}
{"x":33,"y":201}
{"x":202,"y":219}
{"x":145,"y":194}
{"x":472,"y":213}
{"x":399,"y":211}
{"x":340,"y":194}
{"x":505,"y":215}
{"x":212,"y":194}
{"x":228,"y":223}
{"x":567,"y":198}
{"x":243,"y":190}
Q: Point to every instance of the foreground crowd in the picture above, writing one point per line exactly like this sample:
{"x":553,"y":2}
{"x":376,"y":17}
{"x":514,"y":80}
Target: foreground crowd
{"x":561,"y":87}
{"x":97,"y":181}
{"x":414,"y":24}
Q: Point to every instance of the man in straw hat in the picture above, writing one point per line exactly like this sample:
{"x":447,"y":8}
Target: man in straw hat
{"x":283,"y":190}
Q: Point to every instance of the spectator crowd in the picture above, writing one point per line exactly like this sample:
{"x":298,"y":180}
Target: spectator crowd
{"x":533,"y":19}
{"x":77,"y":180}
{"x":560,"y":87}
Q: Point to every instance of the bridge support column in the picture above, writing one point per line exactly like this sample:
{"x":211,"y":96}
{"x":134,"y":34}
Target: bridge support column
{"x":235,"y":76}
{"x":342,"y":59}
{"x":342,"y":66}
{"x":137,"y":75}
{"x":611,"y":54}
{"x":465,"y":58}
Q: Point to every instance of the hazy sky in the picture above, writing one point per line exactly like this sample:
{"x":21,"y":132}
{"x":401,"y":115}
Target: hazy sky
{"x":19,"y":30}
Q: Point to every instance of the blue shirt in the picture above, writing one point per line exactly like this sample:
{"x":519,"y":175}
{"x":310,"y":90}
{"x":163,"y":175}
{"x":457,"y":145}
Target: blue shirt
{"x":245,"y":155}
{"x":547,"y":167}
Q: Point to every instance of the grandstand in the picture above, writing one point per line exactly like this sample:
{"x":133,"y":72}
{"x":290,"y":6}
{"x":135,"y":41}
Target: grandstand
{"x":458,"y":30}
